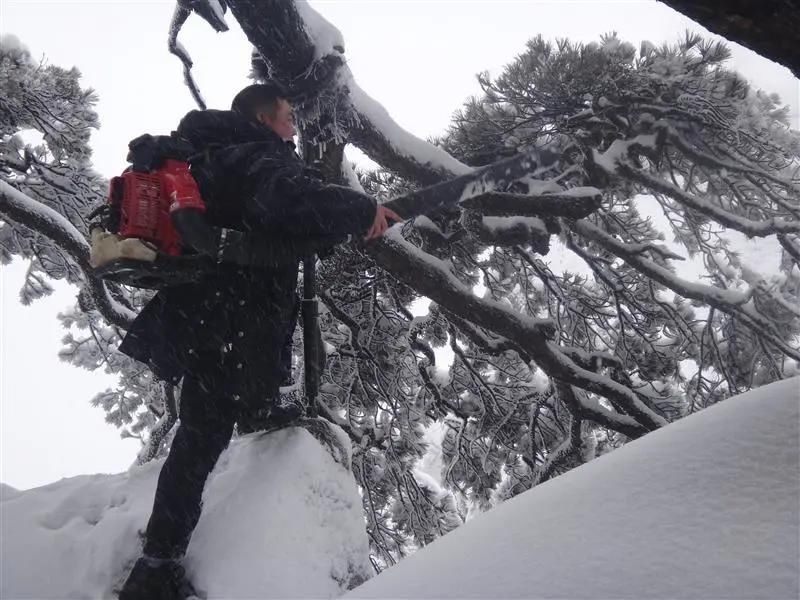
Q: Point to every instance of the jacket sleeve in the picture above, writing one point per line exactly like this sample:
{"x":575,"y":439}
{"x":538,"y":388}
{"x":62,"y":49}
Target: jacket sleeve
{"x":292,"y":203}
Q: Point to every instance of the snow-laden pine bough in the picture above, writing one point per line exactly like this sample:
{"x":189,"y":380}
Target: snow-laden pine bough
{"x":298,"y":49}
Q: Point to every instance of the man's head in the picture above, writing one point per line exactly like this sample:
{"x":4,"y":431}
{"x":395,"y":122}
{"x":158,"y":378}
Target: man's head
{"x":266,"y":104}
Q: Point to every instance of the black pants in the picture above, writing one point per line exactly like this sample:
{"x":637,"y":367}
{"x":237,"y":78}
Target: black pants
{"x":205,"y":428}
{"x":207,"y":416}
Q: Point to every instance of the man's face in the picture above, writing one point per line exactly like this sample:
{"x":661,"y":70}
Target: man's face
{"x":282,"y":122}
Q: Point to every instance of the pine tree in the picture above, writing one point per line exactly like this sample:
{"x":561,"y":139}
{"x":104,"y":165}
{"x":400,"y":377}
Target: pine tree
{"x":669,"y":126}
{"x":45,"y":102}
{"x":550,"y":368}
{"x":46,"y":120}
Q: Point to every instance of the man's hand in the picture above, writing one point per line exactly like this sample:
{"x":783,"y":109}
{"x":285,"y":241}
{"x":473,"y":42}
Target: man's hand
{"x":381,"y":223}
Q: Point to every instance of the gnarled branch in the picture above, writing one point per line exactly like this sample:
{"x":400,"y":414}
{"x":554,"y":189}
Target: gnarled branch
{"x":430,"y":277}
{"x":44,"y":220}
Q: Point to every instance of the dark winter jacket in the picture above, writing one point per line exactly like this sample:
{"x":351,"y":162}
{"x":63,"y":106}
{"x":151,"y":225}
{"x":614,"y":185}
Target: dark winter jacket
{"x":237,"y":318}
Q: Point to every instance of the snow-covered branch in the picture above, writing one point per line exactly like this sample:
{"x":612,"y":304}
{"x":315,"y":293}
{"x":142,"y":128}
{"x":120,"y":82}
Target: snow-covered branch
{"x":175,"y":47}
{"x":394,"y":148}
{"x":508,"y":231}
{"x":300,"y":50}
{"x":705,"y":159}
{"x":616,"y":161}
{"x":431,"y":277}
{"x":490,"y":344}
{"x":32,"y":214}
{"x":732,"y":302}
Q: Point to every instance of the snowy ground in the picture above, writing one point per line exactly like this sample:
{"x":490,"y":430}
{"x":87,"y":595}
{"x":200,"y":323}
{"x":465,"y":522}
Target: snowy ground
{"x":704,"y":508}
{"x":281,"y":519}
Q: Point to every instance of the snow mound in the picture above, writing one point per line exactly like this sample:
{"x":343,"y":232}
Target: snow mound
{"x":708,"y":507}
{"x":281,"y":519}
{"x":7,"y":492}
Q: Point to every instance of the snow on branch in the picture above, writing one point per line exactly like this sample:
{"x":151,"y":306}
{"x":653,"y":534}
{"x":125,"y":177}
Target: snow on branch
{"x":509,"y":231}
{"x":704,"y":159}
{"x":175,"y":47}
{"x":324,"y":35}
{"x":44,"y":220}
{"x":301,"y":51}
{"x":428,"y":275}
{"x":733,"y":221}
{"x":614,"y":161}
{"x":431,"y":277}
{"x":563,"y":368}
{"x":488,"y":343}
{"x":732,"y":302}
{"x":377,"y":134}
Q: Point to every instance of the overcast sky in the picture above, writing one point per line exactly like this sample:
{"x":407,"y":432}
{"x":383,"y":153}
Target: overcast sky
{"x":418,"y":58}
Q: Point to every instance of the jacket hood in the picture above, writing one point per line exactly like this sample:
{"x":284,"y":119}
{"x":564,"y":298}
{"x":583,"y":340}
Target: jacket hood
{"x":202,"y":128}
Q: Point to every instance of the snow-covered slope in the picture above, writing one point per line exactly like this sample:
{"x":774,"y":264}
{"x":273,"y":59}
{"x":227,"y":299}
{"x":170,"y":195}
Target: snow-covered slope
{"x":281,"y":519}
{"x":707,"y":507}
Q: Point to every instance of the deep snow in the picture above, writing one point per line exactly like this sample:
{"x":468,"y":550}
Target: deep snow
{"x":281,"y":519}
{"x":705,"y":508}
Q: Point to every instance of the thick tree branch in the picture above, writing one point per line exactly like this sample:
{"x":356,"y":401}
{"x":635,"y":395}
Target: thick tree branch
{"x":508,"y":231}
{"x":44,"y":220}
{"x":385,"y":142}
{"x":287,"y":55}
{"x":430,"y":277}
{"x":279,"y":35}
{"x":175,"y":47}
{"x":489,"y":344}
{"x":594,"y":412}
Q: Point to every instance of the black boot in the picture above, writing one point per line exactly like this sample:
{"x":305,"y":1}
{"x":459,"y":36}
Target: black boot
{"x":157,"y":579}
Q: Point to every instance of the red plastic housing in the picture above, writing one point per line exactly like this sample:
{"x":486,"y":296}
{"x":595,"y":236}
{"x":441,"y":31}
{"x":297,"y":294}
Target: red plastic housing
{"x":146,"y":201}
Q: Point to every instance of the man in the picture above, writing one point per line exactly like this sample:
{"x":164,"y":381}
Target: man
{"x":225,"y":335}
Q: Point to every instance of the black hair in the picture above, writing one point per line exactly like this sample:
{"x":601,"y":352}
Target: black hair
{"x":257,"y":97}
